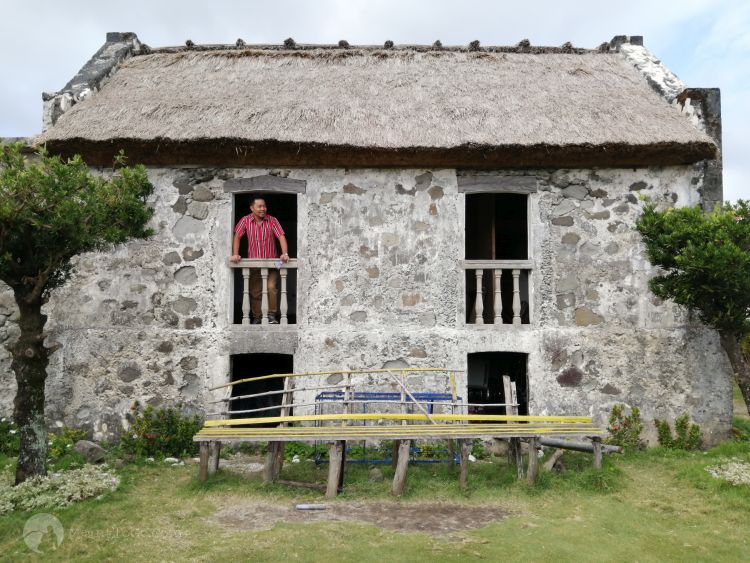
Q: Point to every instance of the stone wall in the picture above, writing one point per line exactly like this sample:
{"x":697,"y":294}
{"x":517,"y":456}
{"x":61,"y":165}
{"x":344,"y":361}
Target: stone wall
{"x":381,"y":284}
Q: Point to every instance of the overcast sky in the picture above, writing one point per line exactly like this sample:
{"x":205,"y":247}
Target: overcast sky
{"x":706,"y":43}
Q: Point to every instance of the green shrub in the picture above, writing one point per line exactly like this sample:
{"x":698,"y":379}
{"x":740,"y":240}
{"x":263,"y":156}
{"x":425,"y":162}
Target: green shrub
{"x":10,"y":439}
{"x":625,"y":430}
{"x":741,"y":429}
{"x":478,"y":450}
{"x":161,"y":433}
{"x":301,"y":449}
{"x":686,"y":436}
{"x":62,"y":443}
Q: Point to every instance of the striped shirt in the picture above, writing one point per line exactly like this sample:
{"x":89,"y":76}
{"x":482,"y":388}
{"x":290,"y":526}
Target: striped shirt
{"x":260,"y":236}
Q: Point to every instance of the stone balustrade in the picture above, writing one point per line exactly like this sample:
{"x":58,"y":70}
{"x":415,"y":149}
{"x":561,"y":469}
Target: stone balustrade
{"x":487,"y":295}
{"x":265,"y":266}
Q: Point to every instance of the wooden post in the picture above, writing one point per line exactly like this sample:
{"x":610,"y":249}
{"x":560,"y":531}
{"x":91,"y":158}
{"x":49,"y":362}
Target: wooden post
{"x":278,"y":464}
{"x":533,"y":471}
{"x":203,"y":464}
{"x":342,"y":470}
{"x":394,"y":453}
{"x":514,"y":444}
{"x":479,"y":302}
{"x":454,"y":399}
{"x":463,"y":478}
{"x":335,"y":455}
{"x":264,"y":298}
{"x":269,"y":469}
{"x":214,"y":449}
{"x":245,"y":296}
{"x":596,"y":442}
{"x":399,"y":478}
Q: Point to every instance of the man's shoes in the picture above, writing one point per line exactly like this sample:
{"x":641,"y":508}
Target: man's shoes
{"x":255,"y":321}
{"x":272,"y":321}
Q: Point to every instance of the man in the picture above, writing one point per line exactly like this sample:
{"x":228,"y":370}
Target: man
{"x":261,"y":229}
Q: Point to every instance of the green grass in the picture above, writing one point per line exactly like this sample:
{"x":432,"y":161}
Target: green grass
{"x":658,"y":505}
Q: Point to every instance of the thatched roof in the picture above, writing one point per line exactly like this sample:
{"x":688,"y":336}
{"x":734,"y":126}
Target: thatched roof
{"x":379,"y":107}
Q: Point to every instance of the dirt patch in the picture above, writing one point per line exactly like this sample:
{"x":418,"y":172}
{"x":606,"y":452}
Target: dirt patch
{"x":243,"y":464}
{"x":432,"y":518}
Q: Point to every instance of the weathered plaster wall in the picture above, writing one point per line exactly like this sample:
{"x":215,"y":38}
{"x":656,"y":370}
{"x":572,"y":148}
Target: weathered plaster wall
{"x":381,"y":284}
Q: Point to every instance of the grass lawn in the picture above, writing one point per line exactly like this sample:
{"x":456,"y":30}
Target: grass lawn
{"x":648,"y":506}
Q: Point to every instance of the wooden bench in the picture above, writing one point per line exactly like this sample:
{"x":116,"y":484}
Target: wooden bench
{"x":445,"y":423}
{"x":403,"y":428}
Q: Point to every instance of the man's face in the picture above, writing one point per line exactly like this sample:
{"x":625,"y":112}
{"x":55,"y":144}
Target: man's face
{"x":258,"y":208}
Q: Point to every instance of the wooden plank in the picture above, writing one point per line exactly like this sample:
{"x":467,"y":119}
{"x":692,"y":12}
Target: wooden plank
{"x":396,"y":416}
{"x":399,"y":477}
{"x":497,"y":183}
{"x":393,"y":432}
{"x":465,"y":450}
{"x":335,"y":454}
{"x":533,"y":469}
{"x":214,"y":449}
{"x":265,"y":183}
{"x":203,"y":461}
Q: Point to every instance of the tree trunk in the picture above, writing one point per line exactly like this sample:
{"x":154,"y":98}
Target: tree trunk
{"x":730,"y":341}
{"x":30,"y":359}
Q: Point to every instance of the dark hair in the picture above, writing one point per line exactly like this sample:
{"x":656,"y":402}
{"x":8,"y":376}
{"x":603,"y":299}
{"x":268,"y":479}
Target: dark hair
{"x":255,"y":197}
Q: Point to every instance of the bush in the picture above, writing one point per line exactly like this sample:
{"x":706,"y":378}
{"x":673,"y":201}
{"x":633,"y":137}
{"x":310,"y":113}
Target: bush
{"x":301,"y":449}
{"x":62,"y":443}
{"x":625,"y":431}
{"x":10,"y":440}
{"x":161,"y":433}
{"x":55,"y":491}
{"x":687,"y":436}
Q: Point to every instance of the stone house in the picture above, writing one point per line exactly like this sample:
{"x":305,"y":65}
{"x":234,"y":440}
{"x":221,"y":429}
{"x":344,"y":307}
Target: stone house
{"x":470,"y":208}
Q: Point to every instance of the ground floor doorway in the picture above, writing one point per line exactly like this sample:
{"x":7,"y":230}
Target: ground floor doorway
{"x":485,"y":381}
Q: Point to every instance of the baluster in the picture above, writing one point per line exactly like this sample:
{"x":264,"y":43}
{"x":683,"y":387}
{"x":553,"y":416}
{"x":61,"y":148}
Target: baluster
{"x":264,"y":301}
{"x":516,"y":298}
{"x":478,"y":303}
{"x":245,"y":296}
{"x":498,"y":297}
{"x":282,"y":298}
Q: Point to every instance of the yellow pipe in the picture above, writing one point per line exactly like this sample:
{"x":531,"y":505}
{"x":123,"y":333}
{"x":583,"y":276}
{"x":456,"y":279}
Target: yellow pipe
{"x":393,"y":416}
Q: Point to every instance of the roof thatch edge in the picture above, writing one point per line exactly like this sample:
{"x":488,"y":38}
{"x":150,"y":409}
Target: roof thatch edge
{"x":238,"y":152}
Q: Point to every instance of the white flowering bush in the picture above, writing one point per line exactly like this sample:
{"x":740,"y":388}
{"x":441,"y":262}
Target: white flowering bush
{"x":56,"y":490}
{"x":733,"y":470}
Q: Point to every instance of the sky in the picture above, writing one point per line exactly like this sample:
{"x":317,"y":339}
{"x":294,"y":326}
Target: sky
{"x":705,"y":42}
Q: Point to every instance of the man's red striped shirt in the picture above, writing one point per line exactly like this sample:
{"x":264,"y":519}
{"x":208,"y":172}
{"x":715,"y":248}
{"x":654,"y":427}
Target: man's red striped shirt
{"x":260,"y":236}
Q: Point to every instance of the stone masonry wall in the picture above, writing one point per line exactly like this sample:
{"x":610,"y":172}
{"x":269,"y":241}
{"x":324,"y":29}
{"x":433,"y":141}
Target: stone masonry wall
{"x":381,"y":284}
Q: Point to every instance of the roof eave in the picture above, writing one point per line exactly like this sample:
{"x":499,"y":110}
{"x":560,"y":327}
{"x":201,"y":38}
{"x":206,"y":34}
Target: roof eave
{"x":239,"y":152}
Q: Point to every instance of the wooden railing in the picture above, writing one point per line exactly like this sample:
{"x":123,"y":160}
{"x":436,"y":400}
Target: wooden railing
{"x":265,"y":266}
{"x":488,"y":298}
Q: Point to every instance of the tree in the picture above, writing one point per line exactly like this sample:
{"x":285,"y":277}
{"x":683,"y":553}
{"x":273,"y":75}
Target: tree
{"x":51,"y":210}
{"x":706,"y":263}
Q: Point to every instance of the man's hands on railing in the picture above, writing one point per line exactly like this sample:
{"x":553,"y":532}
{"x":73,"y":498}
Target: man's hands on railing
{"x":234,"y":258}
